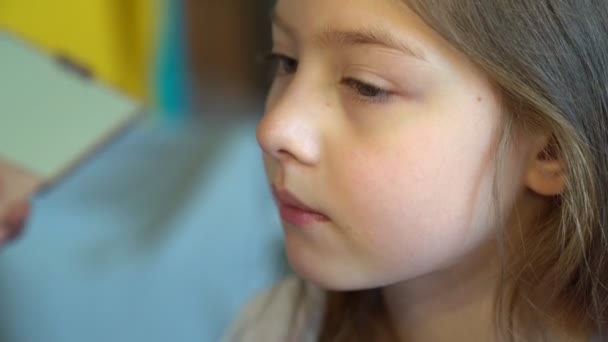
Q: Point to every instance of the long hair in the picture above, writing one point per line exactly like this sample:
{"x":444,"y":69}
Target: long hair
{"x":549,"y":60}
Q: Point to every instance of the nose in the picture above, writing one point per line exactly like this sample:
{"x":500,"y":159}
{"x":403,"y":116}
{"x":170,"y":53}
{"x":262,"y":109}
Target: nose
{"x":291,"y":128}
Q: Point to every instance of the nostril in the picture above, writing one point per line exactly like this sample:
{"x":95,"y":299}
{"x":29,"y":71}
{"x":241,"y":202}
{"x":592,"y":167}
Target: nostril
{"x":284,"y":155}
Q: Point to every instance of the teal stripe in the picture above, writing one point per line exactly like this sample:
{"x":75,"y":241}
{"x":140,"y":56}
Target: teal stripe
{"x":172,"y":83}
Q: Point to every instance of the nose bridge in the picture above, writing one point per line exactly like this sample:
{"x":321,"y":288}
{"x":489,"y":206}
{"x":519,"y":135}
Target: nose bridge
{"x":291,"y":126}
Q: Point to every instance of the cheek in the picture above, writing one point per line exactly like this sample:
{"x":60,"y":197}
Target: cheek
{"x":428,"y":191}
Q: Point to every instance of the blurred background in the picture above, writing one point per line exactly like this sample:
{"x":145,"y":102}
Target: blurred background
{"x":167,"y":232}
{"x":146,"y":47}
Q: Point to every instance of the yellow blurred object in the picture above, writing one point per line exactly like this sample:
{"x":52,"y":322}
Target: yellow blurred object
{"x":114,"y":38}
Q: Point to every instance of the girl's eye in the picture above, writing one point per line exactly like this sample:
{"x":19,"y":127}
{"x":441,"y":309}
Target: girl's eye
{"x":367,"y":91}
{"x":283,"y":65}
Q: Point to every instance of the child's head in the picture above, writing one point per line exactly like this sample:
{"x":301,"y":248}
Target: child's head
{"x":411,"y":133}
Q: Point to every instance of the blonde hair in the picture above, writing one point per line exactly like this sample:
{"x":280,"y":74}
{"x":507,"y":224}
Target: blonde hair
{"x":549,"y":60}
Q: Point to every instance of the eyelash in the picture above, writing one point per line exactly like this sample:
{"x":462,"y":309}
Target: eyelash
{"x":284,"y":65}
{"x":367,"y":92}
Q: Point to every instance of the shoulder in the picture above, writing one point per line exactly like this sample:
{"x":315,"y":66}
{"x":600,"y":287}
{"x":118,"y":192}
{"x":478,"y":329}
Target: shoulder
{"x":290,"y":310}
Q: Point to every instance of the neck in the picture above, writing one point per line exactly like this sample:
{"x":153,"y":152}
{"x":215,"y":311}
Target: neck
{"x":453,"y":304}
{"x":456,"y":303}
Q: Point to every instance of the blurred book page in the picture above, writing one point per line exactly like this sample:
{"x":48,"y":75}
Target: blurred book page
{"x":51,"y":117}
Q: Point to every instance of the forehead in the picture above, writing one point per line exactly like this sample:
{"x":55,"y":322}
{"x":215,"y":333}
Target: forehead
{"x":313,"y":21}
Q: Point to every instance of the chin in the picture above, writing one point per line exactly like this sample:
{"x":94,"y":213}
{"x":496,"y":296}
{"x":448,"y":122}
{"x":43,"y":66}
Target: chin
{"x":327,"y":273}
{"x":320,"y":274}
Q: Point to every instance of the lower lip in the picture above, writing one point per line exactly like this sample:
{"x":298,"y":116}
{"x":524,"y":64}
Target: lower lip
{"x":299,"y":217}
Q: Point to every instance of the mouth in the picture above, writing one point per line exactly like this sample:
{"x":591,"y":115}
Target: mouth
{"x":294,"y":211}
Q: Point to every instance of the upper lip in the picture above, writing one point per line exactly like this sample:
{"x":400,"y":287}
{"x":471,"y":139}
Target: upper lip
{"x":287,"y":198}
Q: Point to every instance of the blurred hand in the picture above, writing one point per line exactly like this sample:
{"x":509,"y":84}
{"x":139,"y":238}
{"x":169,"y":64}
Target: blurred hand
{"x":14,"y":218}
{"x":15,"y":188}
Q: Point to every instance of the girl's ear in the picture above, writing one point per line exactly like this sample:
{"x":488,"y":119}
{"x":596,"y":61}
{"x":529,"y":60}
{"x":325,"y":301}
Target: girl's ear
{"x":545,"y":174}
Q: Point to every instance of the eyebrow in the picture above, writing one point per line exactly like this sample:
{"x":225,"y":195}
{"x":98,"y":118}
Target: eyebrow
{"x":373,"y":36}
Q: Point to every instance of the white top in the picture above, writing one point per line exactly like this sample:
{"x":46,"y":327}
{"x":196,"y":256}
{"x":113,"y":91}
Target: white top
{"x":291,"y":311}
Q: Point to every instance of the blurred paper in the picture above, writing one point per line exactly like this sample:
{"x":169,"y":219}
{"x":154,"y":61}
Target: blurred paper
{"x":52,"y":117}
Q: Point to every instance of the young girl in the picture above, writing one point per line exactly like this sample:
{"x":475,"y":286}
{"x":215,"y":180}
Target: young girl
{"x":440,"y":169}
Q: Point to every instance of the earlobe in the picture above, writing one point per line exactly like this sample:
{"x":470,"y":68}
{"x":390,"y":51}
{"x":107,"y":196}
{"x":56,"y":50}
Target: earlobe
{"x":545,"y":174}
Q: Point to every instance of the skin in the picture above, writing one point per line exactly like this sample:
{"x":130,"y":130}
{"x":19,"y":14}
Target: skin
{"x":15,"y":187}
{"x":394,"y":142}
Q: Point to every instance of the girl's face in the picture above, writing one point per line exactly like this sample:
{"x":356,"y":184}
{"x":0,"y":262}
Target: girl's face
{"x":379,"y":141}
